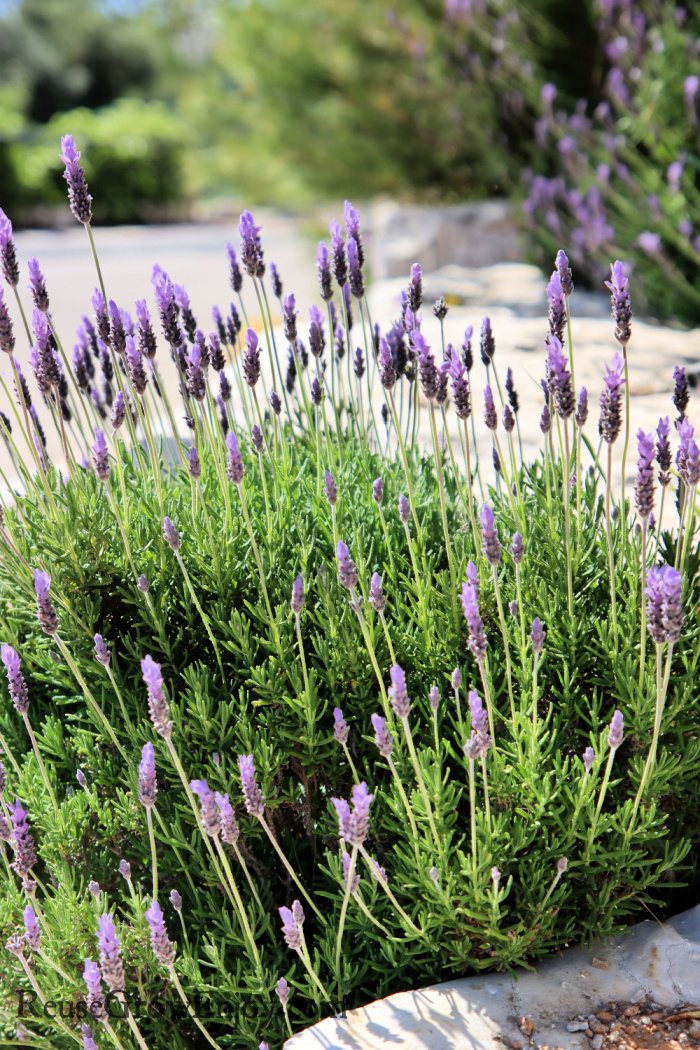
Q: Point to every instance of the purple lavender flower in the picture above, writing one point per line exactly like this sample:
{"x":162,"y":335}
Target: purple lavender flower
{"x":235,"y":275}
{"x":496,"y":460}
{"x":557,"y":306}
{"x":163,"y":949}
{"x":434,"y":698}
{"x":513,"y":609}
{"x":323,"y":266}
{"x":37,"y":285}
{"x":473,"y":578}
{"x":81,"y":778}
{"x":354,"y":825}
{"x":176,"y":900}
{"x":620,"y":299}
{"x":32,"y":929}
{"x":488,"y":343}
{"x":427,"y":369}
{"x":415,"y":289}
{"x":297,"y":599}
{"x":376,"y":593}
{"x":15,"y":945}
{"x":490,"y":414}
{"x":340,"y":726}
{"x":110,"y":961}
{"x":545,"y":420}
{"x":644,"y":488}
{"x":118,"y":411}
{"x":88,"y":1041}
{"x":467,"y":355}
{"x":340,"y":266}
{"x":125,"y":869}
{"x":477,"y":642}
{"x":95,"y":998}
{"x":663,"y":451}
{"x":15,"y":679}
{"x":581,"y":408}
{"x":537,"y":635}
{"x":25,"y":857}
{"x":655,"y":602}
{"x":46,"y":614}
{"x":382,"y":737}
{"x":378,"y":491}
{"x":251,"y":358}
{"x":480,"y":722}
{"x":404,"y":509}
{"x":148,"y":785}
{"x":143,"y":584}
{"x":672,"y":608}
{"x":78,"y":196}
{"x":251,"y":248}
{"x":456,"y":679}
{"x":195,"y":465}
{"x":290,"y":930}
{"x":157,"y":704}
{"x":171,"y":534}
{"x":331,"y":489}
{"x":564,"y":271}
{"x":357,"y":281}
{"x":517,"y":548}
{"x":137,"y":373}
{"x":234,"y":467}
{"x":610,"y":420}
{"x":117,"y":335}
{"x":100,"y":456}
{"x":94,"y":888}
{"x":359,"y":364}
{"x":508,"y":419}
{"x":615,"y":733}
{"x":347,"y":573}
{"x":257,"y":438}
{"x":681,"y":392}
{"x":282,"y":990}
{"x":387,"y":372}
{"x":588,"y":758}
{"x":8,"y":253}
{"x":7,"y":339}
{"x":230,"y":831}
{"x":460,"y":387}
{"x":346,"y":861}
{"x":209,"y":812}
{"x":252,"y":795}
{"x":352,"y":225}
{"x":146,"y":335}
{"x":102,"y":653}
{"x":397,"y":692}
{"x":490,"y":542}
{"x":275,"y":403}
{"x":560,"y":379}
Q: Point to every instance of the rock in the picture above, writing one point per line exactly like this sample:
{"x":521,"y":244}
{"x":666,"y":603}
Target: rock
{"x":515,"y":1044}
{"x":527,"y":1026}
{"x":604,"y":1015}
{"x":596,"y":1042}
{"x":600,"y":964}
{"x":597,"y":1027}
{"x":631,"y":1011}
{"x":577,"y":1026}
{"x":694,"y":1030}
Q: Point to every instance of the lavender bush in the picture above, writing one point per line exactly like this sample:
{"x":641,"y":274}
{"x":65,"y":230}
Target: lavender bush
{"x":271,"y":746}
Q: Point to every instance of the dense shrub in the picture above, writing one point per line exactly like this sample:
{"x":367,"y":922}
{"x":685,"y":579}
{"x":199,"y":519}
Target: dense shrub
{"x":622,"y":178}
{"x":548,"y":796}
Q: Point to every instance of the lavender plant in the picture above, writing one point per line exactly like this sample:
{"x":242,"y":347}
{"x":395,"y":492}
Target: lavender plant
{"x":260,"y":701}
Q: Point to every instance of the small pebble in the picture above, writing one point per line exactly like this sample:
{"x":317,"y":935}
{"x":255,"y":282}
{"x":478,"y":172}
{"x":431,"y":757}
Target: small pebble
{"x":600,"y":964}
{"x":631,"y":1011}
{"x":577,"y":1026}
{"x":604,"y":1015}
{"x":527,"y":1026}
{"x":596,"y":1042}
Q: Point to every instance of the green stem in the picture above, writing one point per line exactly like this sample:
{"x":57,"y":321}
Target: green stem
{"x":200,"y":610}
{"x":88,"y":695}
{"x":154,"y":855}
{"x":343,"y":910}
{"x":39,"y":759}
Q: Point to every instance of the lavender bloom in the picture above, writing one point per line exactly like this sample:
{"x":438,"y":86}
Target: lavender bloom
{"x":440,"y":309}
{"x":251,"y":358}
{"x":110,"y":962}
{"x":275,"y":403}
{"x":8,"y":253}
{"x":276,"y":281}
{"x":512,"y":392}
{"x":557,"y":306}
{"x":513,"y":609}
{"x":496,"y":460}
{"x":195,"y":465}
{"x":209,"y":813}
{"x":537,"y":635}
{"x":620,"y":299}
{"x":340,"y":727}
{"x":382,"y":737}
{"x":404,"y":509}
{"x":560,"y":379}
{"x":496,"y":876}
{"x":167,"y":307}
{"x":234,"y":468}
{"x":235,"y":275}
{"x":460,"y":387}
{"x":581,"y":408}
{"x":644,"y":488}
{"x":357,"y":281}
{"x":681,"y":392}
{"x":102,"y":653}
{"x":331,"y":489}
{"x":467,"y":354}
{"x":347,"y":573}
{"x":15,"y":945}
{"x":456,"y":679}
{"x":477,"y":643}
{"x":25,"y":857}
{"x":101,"y":315}
{"x":196,"y":383}
{"x":46,"y":614}
{"x":252,"y":795}
{"x":224,"y":390}
{"x":171,"y":534}
{"x":672,"y":609}
{"x":488,"y":343}
{"x":378,"y":491}
{"x":297,"y":599}
{"x":480,"y":722}
{"x":117,"y":332}
{"x":508,"y":419}
{"x":7,"y":339}
{"x":257,"y":438}
{"x":290,"y":930}
{"x":94,"y":888}
{"x":282,"y":990}
{"x":340,"y":266}
{"x":95,"y":998}
{"x":545,"y":420}
{"x":88,"y":1041}
{"x":663,"y":451}
{"x":176,"y":900}
{"x":610,"y":401}
{"x":137,"y":373}
{"x":490,"y":414}
{"x":37,"y":285}
{"x":564,"y":271}
{"x":490,"y":542}
{"x":216,"y":354}
{"x":118,"y":411}
{"x":317,"y":339}
{"x":251,"y":248}
{"x":163,"y":949}
{"x":323,"y":266}
{"x":345,"y":858}
{"x":427,"y":369}
{"x":517,"y":548}
{"x":148,"y":786}
{"x":157,"y":704}
{"x":316,"y":392}
{"x":81,"y":778}
{"x":387,"y":372}
{"x":32,"y":928}
{"x":15,"y":680}
{"x":147,"y":339}
{"x":78,"y":196}
{"x":100,"y":456}
{"x":562,"y":865}
{"x":376,"y":593}
{"x":143,"y":584}
{"x":354,"y":825}
{"x":415,"y":289}
{"x":434,"y":698}
{"x":125,"y":869}
{"x":588,"y":758}
{"x":398,"y":695}
{"x":359,"y":365}
{"x":615,"y":733}
{"x":473,"y":578}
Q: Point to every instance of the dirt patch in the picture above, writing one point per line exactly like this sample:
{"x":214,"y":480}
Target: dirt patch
{"x":632,"y":1026}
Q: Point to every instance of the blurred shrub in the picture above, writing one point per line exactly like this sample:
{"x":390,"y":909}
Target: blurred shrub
{"x":623,"y":181}
{"x":132,"y":160}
